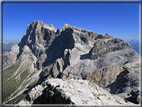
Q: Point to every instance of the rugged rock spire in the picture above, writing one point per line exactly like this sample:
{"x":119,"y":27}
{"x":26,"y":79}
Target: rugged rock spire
{"x":72,"y":53}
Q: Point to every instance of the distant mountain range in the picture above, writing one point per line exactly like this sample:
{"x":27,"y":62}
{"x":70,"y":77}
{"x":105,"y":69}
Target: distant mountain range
{"x":135,"y":44}
{"x":7,"y":47}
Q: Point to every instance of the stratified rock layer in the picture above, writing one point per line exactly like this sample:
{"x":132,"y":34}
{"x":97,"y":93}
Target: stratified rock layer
{"x":71,"y":53}
{"x":102,"y":47}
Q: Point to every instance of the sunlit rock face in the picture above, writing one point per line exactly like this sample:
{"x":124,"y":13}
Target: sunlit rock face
{"x":77,"y":92}
{"x":71,"y":53}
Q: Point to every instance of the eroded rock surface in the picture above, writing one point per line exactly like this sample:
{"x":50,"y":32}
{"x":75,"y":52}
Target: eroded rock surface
{"x":74,"y":53}
{"x":78,"y":92}
{"x":105,"y":76}
{"x":102,"y":47}
{"x":11,"y":57}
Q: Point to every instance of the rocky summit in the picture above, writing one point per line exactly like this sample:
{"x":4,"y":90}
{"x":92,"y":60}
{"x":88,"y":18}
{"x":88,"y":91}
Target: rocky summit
{"x":69,"y":66}
{"x":79,"y":92}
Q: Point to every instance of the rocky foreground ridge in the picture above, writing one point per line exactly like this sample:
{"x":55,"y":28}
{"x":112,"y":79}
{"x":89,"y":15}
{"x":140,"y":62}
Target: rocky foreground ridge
{"x":70,"y":53}
{"x":79,"y":92}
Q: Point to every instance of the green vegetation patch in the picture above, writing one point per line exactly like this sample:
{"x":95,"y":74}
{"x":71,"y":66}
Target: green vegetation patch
{"x":17,"y":99}
{"x":4,"y":58}
{"x":10,"y":70}
{"x":10,"y":85}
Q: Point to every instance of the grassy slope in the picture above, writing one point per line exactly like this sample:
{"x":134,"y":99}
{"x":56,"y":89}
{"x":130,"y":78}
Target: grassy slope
{"x":9,"y":86}
{"x":12,"y":84}
{"x":4,"y":58}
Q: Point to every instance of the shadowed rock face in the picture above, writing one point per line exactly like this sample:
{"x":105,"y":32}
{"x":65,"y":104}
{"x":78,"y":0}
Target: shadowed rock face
{"x":75,"y":53}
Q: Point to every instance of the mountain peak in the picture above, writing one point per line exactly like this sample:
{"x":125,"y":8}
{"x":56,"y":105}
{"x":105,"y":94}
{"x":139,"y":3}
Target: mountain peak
{"x":135,"y":44}
{"x":72,"y":53}
{"x":107,"y":35}
{"x":35,"y":23}
{"x":49,"y":27}
{"x":133,"y":41}
{"x":65,"y":26}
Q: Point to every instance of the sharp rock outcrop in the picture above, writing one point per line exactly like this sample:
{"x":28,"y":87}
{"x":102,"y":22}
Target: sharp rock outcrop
{"x":72,"y":53}
{"x":75,"y":92}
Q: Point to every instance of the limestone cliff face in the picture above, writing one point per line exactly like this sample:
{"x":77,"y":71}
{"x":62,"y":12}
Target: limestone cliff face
{"x":105,"y":76}
{"x":75,"y":92}
{"x":74,"y":53}
{"x":102,"y":47}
